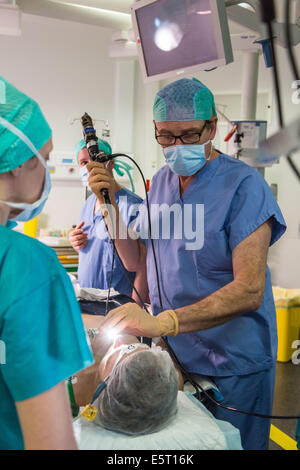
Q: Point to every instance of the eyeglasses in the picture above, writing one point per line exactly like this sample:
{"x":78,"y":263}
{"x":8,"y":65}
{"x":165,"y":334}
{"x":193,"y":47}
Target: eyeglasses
{"x":170,"y":139}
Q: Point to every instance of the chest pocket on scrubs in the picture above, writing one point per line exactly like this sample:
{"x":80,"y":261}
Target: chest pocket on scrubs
{"x":215,"y":257}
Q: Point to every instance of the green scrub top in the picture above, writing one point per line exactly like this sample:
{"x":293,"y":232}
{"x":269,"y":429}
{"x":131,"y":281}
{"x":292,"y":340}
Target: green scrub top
{"x":42,"y":338}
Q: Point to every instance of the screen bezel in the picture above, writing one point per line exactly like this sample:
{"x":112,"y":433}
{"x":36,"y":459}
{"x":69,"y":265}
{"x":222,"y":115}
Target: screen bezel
{"x":219,"y":36}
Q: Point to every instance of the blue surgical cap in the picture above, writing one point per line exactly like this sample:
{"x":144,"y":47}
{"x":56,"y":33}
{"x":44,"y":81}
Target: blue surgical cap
{"x":184,"y":100}
{"x":25,"y":114}
{"x":103,"y":145}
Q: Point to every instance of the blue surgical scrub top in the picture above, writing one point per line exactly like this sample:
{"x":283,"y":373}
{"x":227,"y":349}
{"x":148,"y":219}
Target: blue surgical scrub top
{"x":95,"y":259}
{"x":42,"y":338}
{"x":225,"y":202}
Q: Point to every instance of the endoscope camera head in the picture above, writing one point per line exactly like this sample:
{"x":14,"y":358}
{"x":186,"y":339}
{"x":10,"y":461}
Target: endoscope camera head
{"x":90,"y":137}
{"x":91,"y":140}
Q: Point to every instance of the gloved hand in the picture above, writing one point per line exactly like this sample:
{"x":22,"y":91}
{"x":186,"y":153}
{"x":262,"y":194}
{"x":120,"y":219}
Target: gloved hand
{"x":132,"y":319}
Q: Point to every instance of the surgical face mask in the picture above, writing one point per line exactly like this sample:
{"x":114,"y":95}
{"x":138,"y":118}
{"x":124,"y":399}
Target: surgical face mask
{"x":29,"y":211}
{"x":84,"y":176}
{"x":186,"y":160}
{"x":124,"y":349}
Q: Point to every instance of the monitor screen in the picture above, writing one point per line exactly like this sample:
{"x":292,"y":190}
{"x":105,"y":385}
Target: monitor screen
{"x":177,"y":34}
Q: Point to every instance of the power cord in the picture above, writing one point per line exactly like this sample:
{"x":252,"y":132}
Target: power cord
{"x":268,"y":16}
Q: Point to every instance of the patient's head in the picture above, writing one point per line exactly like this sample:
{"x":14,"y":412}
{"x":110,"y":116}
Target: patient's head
{"x":141,"y":392}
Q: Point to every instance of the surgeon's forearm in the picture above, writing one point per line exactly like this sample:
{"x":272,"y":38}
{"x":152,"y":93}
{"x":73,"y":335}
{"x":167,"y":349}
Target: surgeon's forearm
{"x":126,"y":242}
{"x":243,"y":294}
{"x":220,"y":307}
{"x":140,"y":292}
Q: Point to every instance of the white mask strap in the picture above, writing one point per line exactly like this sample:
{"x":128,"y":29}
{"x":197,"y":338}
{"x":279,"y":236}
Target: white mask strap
{"x":23,"y":137}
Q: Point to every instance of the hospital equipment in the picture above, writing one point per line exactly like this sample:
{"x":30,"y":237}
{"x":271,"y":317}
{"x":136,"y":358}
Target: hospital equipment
{"x":166,"y":30}
{"x":63,"y":167}
{"x":265,"y":27}
{"x":105,"y":130}
{"x":10,"y":18}
{"x":268,"y":17}
{"x":246,"y":141}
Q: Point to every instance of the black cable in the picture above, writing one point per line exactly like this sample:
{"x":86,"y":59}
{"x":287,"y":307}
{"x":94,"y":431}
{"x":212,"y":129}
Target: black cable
{"x":149,"y":223}
{"x":229,"y":408}
{"x":110,"y":280}
{"x":277,"y":89}
{"x":293,"y":66}
{"x":125,"y":270}
{"x":276,"y":76}
{"x":289,"y":40}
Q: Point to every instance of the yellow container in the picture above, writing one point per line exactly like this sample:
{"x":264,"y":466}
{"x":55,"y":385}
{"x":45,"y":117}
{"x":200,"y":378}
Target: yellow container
{"x":287,"y":303}
{"x":30,"y":228}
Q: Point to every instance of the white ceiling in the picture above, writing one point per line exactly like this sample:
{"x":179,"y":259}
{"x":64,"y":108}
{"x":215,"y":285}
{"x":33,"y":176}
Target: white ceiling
{"x":113,"y":14}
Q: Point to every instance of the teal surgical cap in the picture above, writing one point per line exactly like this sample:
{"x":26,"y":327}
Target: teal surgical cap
{"x":25,"y":114}
{"x":184,"y":100}
{"x":103,"y":145}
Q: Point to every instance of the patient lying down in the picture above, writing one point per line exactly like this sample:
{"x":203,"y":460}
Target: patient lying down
{"x":142,"y":383}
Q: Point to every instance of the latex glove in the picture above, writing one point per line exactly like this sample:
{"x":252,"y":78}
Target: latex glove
{"x":132,"y":319}
{"x":101,"y":178}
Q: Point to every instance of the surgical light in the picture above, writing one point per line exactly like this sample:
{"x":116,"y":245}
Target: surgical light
{"x":111,"y":334}
{"x":168,"y":36}
{"x":207,"y":12}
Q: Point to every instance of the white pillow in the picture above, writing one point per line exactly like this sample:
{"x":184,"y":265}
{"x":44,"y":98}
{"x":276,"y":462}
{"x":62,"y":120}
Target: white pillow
{"x":193,"y":428}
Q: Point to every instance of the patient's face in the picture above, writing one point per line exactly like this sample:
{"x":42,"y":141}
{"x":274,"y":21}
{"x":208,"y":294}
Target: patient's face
{"x":112,"y":355}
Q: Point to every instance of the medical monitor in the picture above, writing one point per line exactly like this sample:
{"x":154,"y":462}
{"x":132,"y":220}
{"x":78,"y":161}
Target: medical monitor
{"x":176,"y":37}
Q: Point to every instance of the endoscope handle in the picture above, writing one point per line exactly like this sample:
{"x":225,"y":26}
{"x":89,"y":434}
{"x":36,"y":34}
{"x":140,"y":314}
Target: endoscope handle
{"x":92,"y":146}
{"x":102,"y":157}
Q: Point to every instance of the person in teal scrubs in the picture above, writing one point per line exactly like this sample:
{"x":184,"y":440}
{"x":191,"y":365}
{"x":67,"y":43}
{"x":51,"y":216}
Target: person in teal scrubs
{"x":42,"y":337}
{"x":215,"y":301}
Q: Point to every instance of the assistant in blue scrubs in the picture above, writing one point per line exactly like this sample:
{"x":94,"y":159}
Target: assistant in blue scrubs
{"x":95,"y":259}
{"x":90,"y":238}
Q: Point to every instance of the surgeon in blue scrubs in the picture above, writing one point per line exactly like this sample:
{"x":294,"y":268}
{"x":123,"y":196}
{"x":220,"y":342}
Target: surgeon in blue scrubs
{"x":215,"y":302}
{"x":42,"y":337}
{"x":98,"y":267}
